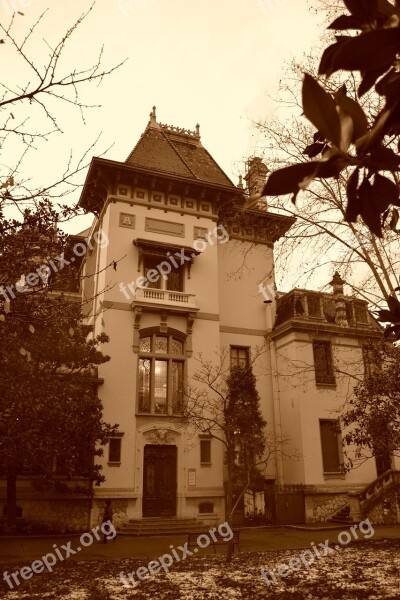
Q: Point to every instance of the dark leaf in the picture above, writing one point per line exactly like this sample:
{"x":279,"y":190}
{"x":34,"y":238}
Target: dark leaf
{"x":382,"y":159}
{"x":319,"y":108}
{"x":385,"y":316}
{"x":394,"y":306}
{"x":369,"y":78}
{"x":370,"y":50}
{"x":352,"y":108}
{"x":332,"y":167}
{"x":385,"y":192}
{"x":287,"y":180}
{"x":353,"y":205}
{"x":369,"y":212}
{"x":318,"y":137}
{"x":313,"y":150}
{"x":346,"y":22}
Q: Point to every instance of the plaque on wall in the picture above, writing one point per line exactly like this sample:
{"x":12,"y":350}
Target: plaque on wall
{"x":191,"y":476}
{"x":126,"y":220}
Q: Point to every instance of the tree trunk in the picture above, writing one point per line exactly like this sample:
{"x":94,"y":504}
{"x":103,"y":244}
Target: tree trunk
{"x":11,"y":520}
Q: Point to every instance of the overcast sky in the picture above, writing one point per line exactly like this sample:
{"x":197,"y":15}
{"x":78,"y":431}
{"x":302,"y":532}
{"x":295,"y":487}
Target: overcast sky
{"x":213,"y":62}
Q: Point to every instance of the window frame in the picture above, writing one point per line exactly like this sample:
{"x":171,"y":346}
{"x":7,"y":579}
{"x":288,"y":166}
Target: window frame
{"x":239,"y":348}
{"x":115,"y":436}
{"x":153,"y":356}
{"x":339,"y":471}
{"x":202,"y":440}
{"x":150,"y":262}
{"x":330,"y":379}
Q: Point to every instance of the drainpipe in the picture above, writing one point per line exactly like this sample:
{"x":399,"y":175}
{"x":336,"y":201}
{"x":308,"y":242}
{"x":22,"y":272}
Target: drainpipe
{"x":276,"y":404}
{"x":276,"y":410}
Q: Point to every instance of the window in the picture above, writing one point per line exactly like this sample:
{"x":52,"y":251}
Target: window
{"x":173,"y":281}
{"x":114,"y":450}
{"x":361,"y":313}
{"x":331,"y":445}
{"x":206,"y":507}
{"x":161,"y":374}
{"x":205,"y":450}
{"x":240,"y":357}
{"x":323,"y":362}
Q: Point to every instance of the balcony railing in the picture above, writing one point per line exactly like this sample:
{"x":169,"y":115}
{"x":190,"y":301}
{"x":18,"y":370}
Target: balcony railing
{"x":165,"y":297}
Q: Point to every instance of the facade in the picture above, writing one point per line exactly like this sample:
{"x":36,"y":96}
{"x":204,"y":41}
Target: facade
{"x":189,"y":279}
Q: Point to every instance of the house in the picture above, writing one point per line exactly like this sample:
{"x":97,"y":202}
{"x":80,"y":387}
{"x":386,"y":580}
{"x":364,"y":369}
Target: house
{"x":181,"y":264}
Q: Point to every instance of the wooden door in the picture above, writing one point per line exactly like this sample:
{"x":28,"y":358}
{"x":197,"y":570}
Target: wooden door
{"x":159,"y":481}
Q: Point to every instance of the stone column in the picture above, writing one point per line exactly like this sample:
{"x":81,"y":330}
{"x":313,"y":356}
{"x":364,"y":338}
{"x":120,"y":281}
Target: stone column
{"x":355,"y":507}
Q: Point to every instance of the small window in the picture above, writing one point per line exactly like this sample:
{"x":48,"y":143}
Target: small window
{"x":240,"y":357}
{"x":361,"y":313}
{"x":114,"y":450}
{"x":206,"y":507}
{"x":323,"y":363}
{"x":330,"y":441}
{"x":314,"y":305}
{"x":205,"y":451}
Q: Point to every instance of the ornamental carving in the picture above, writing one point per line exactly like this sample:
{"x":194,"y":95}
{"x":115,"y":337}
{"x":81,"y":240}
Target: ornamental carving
{"x":160,"y":436}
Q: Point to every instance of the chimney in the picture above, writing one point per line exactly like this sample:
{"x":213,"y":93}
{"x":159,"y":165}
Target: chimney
{"x":337,"y":284}
{"x":256,"y":175}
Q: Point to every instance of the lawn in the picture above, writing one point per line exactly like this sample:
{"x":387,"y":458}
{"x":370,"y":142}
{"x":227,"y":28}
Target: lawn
{"x":367,"y":570}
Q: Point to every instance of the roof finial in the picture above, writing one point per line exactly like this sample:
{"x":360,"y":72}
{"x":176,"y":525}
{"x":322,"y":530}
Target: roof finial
{"x":198,"y":130}
{"x":153,"y":116}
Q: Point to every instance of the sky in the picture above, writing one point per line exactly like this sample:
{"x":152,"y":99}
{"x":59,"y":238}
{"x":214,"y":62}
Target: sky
{"x":212,"y":62}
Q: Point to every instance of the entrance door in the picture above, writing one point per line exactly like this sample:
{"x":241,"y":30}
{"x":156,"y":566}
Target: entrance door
{"x":159,"y":481}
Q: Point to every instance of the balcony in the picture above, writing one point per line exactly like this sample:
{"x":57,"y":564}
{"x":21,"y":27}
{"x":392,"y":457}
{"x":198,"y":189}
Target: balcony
{"x":164,"y":299}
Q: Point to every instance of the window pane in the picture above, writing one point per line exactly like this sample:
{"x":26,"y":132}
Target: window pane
{"x":205,"y":451}
{"x":323,"y":362}
{"x":161,"y":345}
{"x":145,"y":344}
{"x":239,"y":357}
{"x":175,"y":281}
{"x":160,"y":386}
{"x":177,"y":347}
{"x":114,"y":451}
{"x":149,"y":265}
{"x":177,"y":386}
{"x":330,"y":446}
{"x":144,"y":385}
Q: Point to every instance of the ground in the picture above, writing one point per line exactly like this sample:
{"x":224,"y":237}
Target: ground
{"x":366,"y":569}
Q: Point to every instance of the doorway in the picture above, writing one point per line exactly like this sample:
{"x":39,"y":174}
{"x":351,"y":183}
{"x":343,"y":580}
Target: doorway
{"x":159,"y":480}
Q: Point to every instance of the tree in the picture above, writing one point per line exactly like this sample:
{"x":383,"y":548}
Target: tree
{"x":372,"y":416}
{"x":50,"y":415}
{"x":345,"y":139}
{"x":51,"y":418}
{"x":29,"y":109}
{"x":226,"y":407}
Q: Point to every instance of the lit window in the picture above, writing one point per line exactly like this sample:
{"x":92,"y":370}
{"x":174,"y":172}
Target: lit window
{"x":161,"y":375}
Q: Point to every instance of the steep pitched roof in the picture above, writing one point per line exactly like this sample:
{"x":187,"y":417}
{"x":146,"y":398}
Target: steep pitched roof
{"x":176,"y":151}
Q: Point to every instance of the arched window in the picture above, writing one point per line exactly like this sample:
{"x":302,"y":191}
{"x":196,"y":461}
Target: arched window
{"x":161,"y":373}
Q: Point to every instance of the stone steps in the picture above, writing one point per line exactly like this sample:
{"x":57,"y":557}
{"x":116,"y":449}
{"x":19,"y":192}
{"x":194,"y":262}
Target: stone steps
{"x":160,"y":526}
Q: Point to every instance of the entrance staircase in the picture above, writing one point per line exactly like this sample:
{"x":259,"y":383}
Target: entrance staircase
{"x":160,"y":526}
{"x":359,"y":504}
